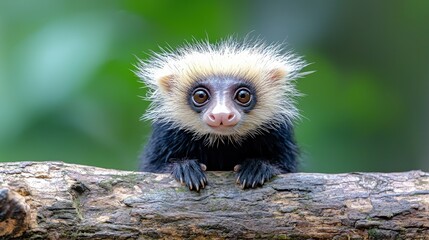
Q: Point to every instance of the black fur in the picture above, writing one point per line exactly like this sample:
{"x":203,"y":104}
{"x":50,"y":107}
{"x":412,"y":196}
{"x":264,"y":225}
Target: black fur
{"x":259,"y":158}
{"x":189,"y":172}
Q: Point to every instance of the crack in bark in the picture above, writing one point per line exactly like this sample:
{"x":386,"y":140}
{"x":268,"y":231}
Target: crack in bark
{"x":80,"y":202}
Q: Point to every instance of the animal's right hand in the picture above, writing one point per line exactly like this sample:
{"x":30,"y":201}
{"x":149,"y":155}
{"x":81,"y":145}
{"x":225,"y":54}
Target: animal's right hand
{"x":190,"y":173}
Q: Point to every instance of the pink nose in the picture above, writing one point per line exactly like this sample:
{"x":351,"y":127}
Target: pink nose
{"x":218,"y":119}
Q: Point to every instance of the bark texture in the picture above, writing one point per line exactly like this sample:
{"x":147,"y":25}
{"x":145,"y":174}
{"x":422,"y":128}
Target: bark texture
{"x":54,"y":200}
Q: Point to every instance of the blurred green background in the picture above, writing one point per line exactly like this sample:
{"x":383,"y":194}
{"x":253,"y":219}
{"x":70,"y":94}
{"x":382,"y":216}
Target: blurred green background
{"x":67,"y":91}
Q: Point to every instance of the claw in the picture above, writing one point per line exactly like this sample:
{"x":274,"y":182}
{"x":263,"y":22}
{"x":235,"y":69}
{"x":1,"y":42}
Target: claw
{"x":253,"y":184}
{"x":237,"y":168}
{"x":244,"y":184}
{"x":190,"y":173}
{"x":238,"y":180}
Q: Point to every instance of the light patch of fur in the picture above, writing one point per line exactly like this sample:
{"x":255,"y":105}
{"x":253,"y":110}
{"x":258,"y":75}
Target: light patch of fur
{"x":170,"y":74}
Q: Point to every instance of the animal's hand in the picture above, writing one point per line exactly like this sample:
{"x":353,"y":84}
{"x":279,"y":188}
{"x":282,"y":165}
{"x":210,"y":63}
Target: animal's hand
{"x":190,"y":173}
{"x":254,"y":173}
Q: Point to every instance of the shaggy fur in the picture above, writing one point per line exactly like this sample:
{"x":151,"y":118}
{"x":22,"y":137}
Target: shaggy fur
{"x":169,"y":75}
{"x":262,"y":144}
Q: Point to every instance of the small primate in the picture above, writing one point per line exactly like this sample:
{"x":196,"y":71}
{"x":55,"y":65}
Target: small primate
{"x":221,"y":107}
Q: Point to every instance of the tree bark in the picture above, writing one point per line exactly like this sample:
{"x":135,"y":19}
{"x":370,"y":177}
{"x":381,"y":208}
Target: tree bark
{"x":54,"y":200}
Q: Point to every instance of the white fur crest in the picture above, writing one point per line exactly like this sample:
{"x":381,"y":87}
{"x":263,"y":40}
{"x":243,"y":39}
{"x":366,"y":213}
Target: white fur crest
{"x":170,"y":74}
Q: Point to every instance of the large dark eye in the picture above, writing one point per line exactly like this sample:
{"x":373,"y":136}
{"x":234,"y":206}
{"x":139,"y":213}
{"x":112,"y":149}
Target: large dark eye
{"x":243,"y":96}
{"x":200,"y":97}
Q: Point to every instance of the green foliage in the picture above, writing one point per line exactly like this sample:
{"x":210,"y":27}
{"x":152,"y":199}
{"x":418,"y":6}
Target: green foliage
{"x":67,"y":90}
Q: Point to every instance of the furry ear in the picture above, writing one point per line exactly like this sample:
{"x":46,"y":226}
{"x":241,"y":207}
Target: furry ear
{"x":277,"y":74}
{"x":165,"y":83}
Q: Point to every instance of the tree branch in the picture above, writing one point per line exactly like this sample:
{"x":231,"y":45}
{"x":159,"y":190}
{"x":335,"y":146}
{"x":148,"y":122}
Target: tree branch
{"x":53,"y":200}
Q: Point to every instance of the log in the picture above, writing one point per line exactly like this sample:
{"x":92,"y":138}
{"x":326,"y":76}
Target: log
{"x":55,"y":200}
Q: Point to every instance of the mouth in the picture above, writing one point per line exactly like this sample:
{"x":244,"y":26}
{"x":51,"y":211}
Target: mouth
{"x":222,"y":129}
